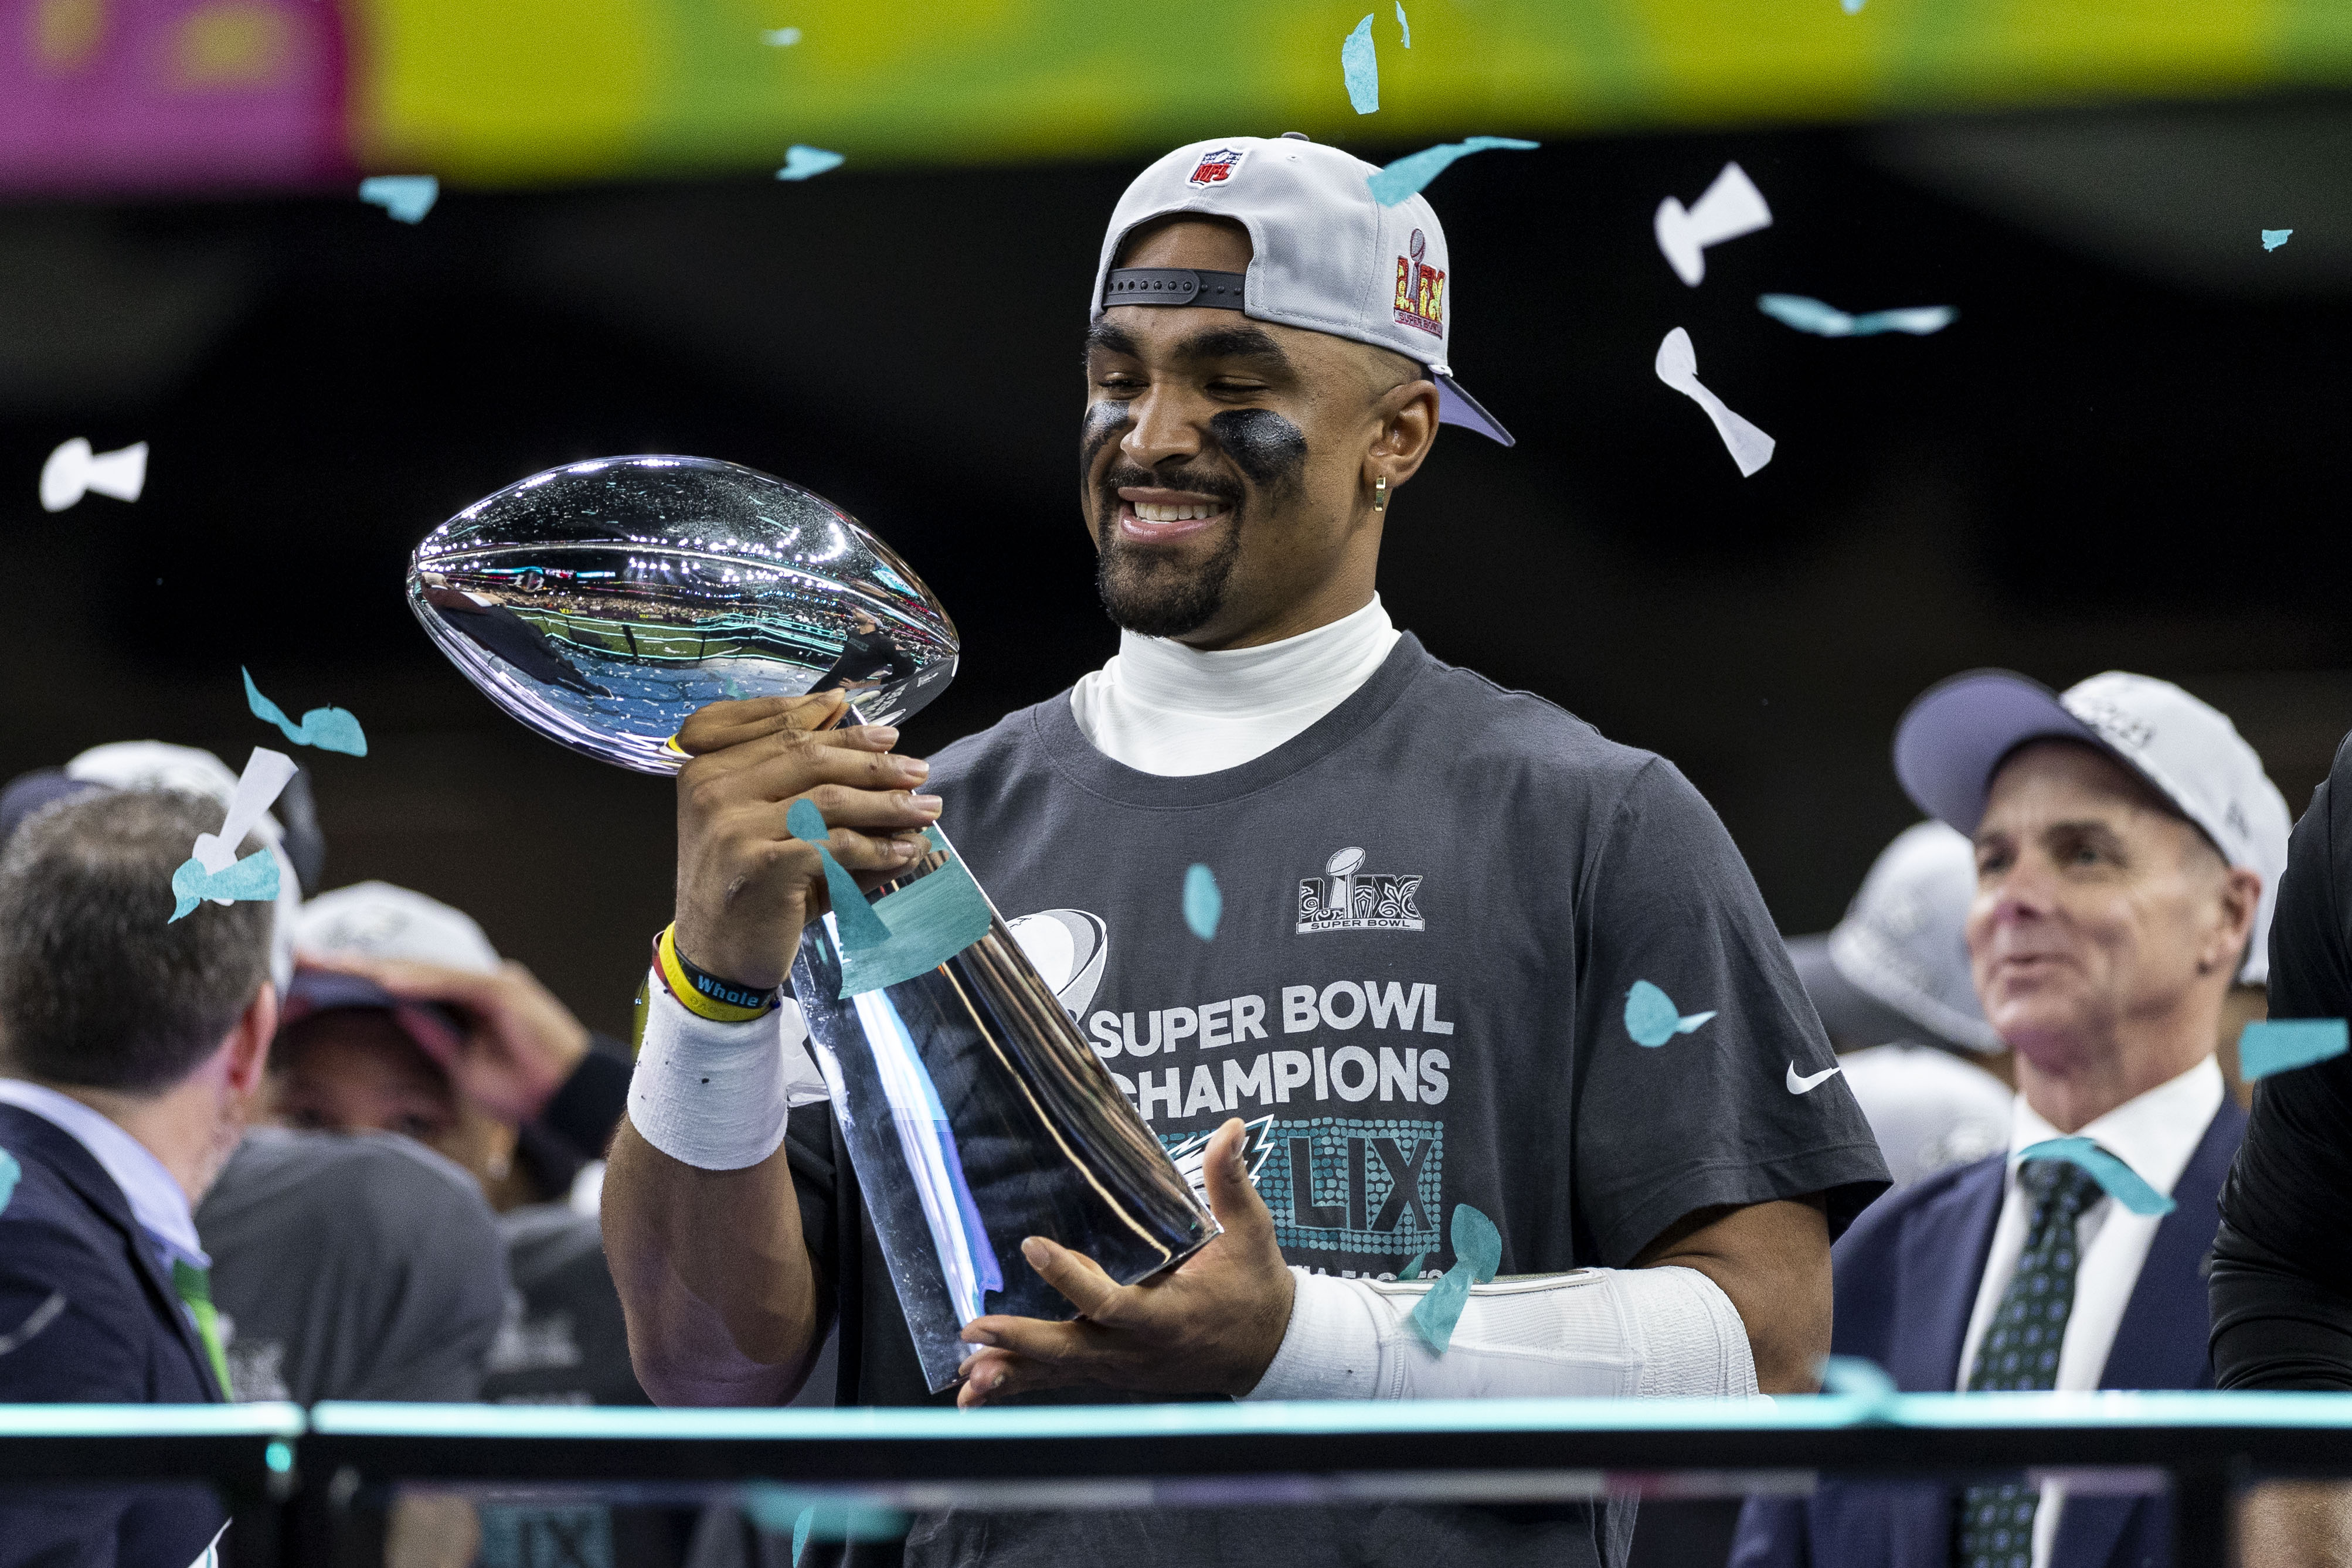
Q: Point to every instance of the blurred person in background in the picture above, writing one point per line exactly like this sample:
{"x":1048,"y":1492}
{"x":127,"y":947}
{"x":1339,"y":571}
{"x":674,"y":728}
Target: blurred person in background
{"x":403,"y":1019}
{"x":1891,"y":982}
{"x":2127,"y":847}
{"x":130,"y":1045}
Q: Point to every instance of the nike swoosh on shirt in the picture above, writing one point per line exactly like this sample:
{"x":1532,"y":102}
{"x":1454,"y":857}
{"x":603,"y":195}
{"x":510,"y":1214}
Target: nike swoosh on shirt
{"x":1807,"y":1085}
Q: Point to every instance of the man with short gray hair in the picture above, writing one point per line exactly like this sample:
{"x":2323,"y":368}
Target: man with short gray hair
{"x":129,"y":1046}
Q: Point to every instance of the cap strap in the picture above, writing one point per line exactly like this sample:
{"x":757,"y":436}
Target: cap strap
{"x":1173,"y":285}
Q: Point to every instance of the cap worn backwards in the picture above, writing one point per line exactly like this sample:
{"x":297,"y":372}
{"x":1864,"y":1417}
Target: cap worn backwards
{"x":1955,"y":735}
{"x":1325,"y":256}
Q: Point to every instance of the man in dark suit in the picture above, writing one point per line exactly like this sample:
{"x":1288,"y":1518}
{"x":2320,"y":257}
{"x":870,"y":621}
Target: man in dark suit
{"x":2126,"y":843}
{"x":130,"y":1045}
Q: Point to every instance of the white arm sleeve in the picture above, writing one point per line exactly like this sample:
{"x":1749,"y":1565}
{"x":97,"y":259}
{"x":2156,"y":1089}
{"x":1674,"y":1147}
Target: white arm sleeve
{"x":714,"y":1095}
{"x":1598,"y":1332}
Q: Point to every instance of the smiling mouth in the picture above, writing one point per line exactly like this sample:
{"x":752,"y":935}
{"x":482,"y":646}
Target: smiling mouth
{"x":1164,"y":520}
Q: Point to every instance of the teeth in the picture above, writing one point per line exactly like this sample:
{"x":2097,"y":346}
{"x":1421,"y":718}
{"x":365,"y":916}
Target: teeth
{"x":1145,"y":512}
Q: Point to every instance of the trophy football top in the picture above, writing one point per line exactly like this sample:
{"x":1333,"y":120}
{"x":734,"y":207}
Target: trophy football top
{"x":601,"y":603}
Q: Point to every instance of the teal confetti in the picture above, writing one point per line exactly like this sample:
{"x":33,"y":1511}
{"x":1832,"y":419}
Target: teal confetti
{"x":860,"y":925}
{"x":1857,"y":1377}
{"x":1651,"y":1017}
{"x":783,"y":38}
{"x":1412,"y":1270}
{"x":931,"y":920}
{"x":2274,"y":238}
{"x":1403,"y":26}
{"x":328,"y":728}
{"x":802,"y":162}
{"x":1827,"y":322}
{"x":1359,"y":67}
{"x":1203,"y":904}
{"x":9,"y":1171}
{"x":2281,"y":1045}
{"x":775,"y":1509}
{"x":407,"y":197}
{"x":1477,"y":1253}
{"x":1853,"y":8}
{"x":1408,"y":174}
{"x":2118,"y":1180}
{"x":252,"y":880}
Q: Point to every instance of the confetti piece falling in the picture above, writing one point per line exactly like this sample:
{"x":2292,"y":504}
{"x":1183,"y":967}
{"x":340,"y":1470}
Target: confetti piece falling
{"x":2274,"y":238}
{"x":1807,"y":315}
{"x":1857,"y":1377}
{"x":2118,"y":1180}
{"x":1732,"y":206}
{"x":859,"y":926}
{"x":2282,"y":1045}
{"x":1403,"y":26}
{"x":73,"y":471}
{"x":1477,"y":1253}
{"x":783,"y":38}
{"x":803,"y":163}
{"x":931,"y":919}
{"x":1204,"y":906}
{"x":1678,"y":366}
{"x":328,"y":728}
{"x":1652,"y":1019}
{"x":253,"y":878}
{"x":407,"y":197}
{"x":1359,"y":67}
{"x":266,"y":774}
{"x":1408,"y":174}
{"x":801,"y":1533}
{"x":1853,"y":8}
{"x":9,"y":1171}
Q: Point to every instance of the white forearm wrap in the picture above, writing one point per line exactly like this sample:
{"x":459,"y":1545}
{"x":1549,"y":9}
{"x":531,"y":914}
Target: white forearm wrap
{"x":1598,"y":1332}
{"x":714,"y":1095}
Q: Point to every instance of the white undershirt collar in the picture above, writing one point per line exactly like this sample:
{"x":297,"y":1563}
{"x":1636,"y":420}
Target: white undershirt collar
{"x":1160,"y":708}
{"x":155,"y":1196}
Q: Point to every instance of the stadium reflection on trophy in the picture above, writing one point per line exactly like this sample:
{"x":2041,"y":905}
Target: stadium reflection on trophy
{"x":602,"y":603}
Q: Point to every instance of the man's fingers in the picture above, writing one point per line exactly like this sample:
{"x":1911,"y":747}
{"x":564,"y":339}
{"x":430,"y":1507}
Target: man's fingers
{"x":723,"y":725}
{"x":994,"y":1374}
{"x":1233,"y":1196}
{"x":1078,"y":1276}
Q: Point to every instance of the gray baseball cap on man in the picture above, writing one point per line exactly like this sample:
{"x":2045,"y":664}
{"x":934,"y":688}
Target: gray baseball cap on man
{"x":1324,"y":255}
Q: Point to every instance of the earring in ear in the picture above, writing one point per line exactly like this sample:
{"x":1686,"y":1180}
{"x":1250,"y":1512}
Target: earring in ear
{"x":1380,"y":494}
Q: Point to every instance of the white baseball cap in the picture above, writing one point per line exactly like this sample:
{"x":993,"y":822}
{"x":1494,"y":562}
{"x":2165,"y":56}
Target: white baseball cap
{"x":1955,"y":735}
{"x":1896,"y":966}
{"x":1325,"y":254}
{"x":378,"y":920}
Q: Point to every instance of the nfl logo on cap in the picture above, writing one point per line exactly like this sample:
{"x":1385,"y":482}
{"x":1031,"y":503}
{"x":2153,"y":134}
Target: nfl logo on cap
{"x":1217,"y":167}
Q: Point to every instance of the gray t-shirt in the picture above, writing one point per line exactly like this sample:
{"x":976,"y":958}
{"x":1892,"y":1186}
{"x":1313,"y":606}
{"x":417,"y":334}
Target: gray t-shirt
{"x":564,"y":1341}
{"x":1437,"y":902}
{"x":351,"y":1266}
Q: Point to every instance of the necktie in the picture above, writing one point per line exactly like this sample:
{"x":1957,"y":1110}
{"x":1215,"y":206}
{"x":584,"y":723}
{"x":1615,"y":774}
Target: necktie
{"x":2020,"y":1352}
{"x":194,"y":1286}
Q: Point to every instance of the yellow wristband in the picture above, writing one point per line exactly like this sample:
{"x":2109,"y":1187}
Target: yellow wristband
{"x":704,"y":995}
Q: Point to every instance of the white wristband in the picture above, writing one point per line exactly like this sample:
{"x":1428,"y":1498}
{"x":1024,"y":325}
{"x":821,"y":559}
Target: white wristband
{"x":714,"y":1095}
{"x":1595,"y":1332}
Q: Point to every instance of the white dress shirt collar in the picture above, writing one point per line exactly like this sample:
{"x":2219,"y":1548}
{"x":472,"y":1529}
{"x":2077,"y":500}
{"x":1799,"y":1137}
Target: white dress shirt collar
{"x":1160,"y":708}
{"x":2154,"y":1133}
{"x":156,"y":1201}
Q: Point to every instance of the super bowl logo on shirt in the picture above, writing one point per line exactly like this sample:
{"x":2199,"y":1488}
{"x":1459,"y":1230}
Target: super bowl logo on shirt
{"x":1215,"y":168}
{"x":1419,"y":288}
{"x":1346,"y":897}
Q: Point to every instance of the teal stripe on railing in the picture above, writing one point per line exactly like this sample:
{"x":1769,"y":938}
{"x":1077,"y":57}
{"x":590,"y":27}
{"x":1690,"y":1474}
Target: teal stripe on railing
{"x":257,"y":1420}
{"x":2317,"y":1412}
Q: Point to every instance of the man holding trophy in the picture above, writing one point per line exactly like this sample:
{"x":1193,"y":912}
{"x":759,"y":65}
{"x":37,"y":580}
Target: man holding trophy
{"x":1477,"y":973}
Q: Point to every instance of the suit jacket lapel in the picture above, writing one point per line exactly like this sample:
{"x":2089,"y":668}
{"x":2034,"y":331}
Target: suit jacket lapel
{"x":2161,"y":1341}
{"x":80,"y":1169}
{"x":1942,"y":1256}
